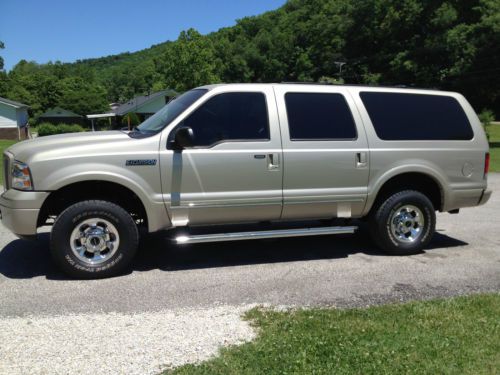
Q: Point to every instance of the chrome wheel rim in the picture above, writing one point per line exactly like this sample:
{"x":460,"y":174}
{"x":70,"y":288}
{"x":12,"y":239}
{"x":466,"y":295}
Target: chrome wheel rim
{"x":94,"y":241}
{"x":407,"y":223}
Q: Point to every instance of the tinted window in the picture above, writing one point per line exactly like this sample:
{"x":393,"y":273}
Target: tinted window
{"x":319,"y":116}
{"x":416,"y":116}
{"x":231,"y":116}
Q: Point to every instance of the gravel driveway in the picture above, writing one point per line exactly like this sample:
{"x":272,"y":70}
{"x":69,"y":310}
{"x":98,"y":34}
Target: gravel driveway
{"x":180,"y":298}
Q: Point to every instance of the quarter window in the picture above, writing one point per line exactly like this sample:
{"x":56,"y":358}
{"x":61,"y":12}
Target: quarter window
{"x":399,"y":116}
{"x":319,"y":116}
{"x":239,"y":116}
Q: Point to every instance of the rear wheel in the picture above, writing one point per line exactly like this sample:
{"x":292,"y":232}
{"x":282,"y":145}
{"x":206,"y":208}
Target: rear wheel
{"x":94,"y":239}
{"x":404,"y":223}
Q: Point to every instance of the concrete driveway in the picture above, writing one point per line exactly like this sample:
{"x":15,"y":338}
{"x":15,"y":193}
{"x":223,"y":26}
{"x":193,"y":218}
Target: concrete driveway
{"x":344,"y":271}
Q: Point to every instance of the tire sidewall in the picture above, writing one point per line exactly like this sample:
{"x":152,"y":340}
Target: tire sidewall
{"x":426,"y":235}
{"x":72,"y":217}
{"x":381,"y":228}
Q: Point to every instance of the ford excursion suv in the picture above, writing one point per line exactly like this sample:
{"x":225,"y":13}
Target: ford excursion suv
{"x":251,"y":153}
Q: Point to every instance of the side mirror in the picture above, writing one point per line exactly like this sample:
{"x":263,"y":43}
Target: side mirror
{"x":184,"y":137}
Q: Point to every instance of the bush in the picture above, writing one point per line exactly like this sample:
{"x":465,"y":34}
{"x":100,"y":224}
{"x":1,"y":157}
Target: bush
{"x":51,"y":129}
{"x":331,"y":80}
{"x":486,"y":117}
{"x":134,"y":119}
{"x":46,"y":129}
{"x":65,"y":128}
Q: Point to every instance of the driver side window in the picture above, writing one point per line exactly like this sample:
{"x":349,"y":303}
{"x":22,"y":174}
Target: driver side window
{"x":237,"y":116}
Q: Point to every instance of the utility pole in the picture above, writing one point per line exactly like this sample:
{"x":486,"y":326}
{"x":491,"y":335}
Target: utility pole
{"x":340,"y":64}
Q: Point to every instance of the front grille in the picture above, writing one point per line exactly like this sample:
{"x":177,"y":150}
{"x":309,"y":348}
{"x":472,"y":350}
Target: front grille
{"x":5,"y":172}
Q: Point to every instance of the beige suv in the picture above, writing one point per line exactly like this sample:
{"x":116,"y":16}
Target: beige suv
{"x":250,"y":153}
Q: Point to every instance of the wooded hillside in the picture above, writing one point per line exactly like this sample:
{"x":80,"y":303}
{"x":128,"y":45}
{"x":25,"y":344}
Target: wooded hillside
{"x":452,"y":45}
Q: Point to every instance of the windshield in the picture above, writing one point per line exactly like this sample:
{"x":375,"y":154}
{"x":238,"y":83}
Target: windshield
{"x":171,"y":110}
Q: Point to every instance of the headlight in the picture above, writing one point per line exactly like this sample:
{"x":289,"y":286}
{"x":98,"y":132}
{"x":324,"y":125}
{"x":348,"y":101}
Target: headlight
{"x":21,"y":176}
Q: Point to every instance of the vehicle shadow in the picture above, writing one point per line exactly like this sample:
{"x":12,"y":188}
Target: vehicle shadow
{"x":22,"y":259}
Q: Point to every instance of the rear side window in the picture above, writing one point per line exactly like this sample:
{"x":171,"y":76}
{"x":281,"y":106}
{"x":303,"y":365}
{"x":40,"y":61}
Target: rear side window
{"x":319,"y":116}
{"x":398,"y":116}
{"x":236,"y":116}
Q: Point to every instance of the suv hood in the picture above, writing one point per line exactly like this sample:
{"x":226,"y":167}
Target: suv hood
{"x":63,"y":144}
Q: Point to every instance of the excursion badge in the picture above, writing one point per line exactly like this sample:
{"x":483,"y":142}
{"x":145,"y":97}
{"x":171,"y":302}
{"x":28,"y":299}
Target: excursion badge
{"x":138,"y":162}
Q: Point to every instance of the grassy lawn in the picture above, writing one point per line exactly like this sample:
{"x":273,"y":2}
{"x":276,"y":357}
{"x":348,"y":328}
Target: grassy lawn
{"x":494,"y":131}
{"x":452,"y":336}
{"x":4,"y":143}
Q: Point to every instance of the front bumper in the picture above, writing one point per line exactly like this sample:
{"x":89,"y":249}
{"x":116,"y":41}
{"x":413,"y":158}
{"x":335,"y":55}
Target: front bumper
{"x":19,"y":210}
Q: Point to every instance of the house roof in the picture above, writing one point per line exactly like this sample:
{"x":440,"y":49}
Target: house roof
{"x":59,"y":112}
{"x":138,"y":101}
{"x":13,"y":103}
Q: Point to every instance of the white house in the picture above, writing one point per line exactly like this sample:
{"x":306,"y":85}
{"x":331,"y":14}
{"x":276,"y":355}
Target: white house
{"x":145,"y":106}
{"x":13,"y":117}
{"x":142,"y":106}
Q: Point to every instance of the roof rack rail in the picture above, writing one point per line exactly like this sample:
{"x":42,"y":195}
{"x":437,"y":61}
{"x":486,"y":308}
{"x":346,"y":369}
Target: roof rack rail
{"x":309,"y":83}
{"x":395,"y":86}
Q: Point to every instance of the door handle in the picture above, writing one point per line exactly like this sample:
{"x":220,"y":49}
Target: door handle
{"x":273,"y":161}
{"x":361,"y":159}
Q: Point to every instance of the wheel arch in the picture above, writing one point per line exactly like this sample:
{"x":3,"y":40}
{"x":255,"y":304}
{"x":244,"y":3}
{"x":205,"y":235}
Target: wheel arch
{"x":425,"y":181}
{"x":110,"y":191}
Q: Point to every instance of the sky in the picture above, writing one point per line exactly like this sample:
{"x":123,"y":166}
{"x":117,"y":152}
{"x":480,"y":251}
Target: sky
{"x":67,"y":30}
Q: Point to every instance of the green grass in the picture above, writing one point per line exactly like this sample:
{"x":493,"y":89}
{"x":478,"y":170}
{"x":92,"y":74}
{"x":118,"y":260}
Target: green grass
{"x":494,"y":131}
{"x":452,"y":336}
{"x":4,"y":143}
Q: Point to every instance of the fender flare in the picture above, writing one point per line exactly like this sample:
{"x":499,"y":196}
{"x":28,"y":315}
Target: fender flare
{"x":379,"y":183}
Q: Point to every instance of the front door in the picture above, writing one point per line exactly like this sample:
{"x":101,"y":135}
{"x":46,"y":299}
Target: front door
{"x":234,"y":171}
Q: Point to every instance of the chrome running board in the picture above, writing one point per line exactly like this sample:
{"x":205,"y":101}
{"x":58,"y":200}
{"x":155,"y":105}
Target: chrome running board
{"x":256,"y":235}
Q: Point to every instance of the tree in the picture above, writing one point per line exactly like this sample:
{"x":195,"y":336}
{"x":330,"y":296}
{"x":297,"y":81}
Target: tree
{"x":446,"y":44}
{"x":2,"y":46}
{"x":4,"y":83}
{"x":82,"y":97}
{"x":33,"y":84}
{"x":189,"y":62}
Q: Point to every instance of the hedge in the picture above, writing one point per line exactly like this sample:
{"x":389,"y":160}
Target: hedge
{"x":47,"y":128}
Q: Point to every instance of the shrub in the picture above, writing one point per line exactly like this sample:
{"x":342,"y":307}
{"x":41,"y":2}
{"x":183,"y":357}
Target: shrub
{"x":51,"y":129}
{"x":134,"y":119}
{"x":65,"y":128}
{"x":486,"y":117}
{"x":331,"y":80}
{"x":46,"y":129}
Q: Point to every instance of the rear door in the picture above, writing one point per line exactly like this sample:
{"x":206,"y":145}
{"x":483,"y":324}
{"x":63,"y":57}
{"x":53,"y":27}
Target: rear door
{"x":325,"y":152}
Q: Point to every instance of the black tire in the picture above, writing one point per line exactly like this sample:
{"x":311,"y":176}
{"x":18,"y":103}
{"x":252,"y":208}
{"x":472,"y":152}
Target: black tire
{"x":101,"y":212}
{"x":385,"y":213}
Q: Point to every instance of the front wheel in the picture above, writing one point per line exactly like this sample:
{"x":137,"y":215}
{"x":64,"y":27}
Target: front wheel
{"x":404,"y":223}
{"x":94,"y":239}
